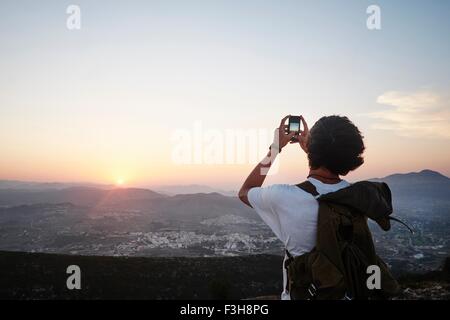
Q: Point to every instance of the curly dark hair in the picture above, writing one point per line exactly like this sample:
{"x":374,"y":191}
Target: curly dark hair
{"x":336,"y":144}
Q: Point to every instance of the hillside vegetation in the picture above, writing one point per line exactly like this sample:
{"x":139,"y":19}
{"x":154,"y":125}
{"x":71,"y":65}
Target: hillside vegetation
{"x":43,"y":276}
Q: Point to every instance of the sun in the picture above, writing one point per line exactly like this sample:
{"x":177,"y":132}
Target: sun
{"x":120,"y":182}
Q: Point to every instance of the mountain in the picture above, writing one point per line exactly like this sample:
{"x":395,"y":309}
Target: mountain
{"x":32,"y":185}
{"x":418,"y":185}
{"x":196,"y":207}
{"x":426,"y":183}
{"x":191,"y":189}
{"x":83,"y":196}
{"x":193,"y":207}
{"x":419,"y":189}
{"x":142,"y":222}
{"x":424,"y":177}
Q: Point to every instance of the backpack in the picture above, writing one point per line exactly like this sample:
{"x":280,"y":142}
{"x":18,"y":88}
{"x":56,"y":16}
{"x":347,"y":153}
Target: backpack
{"x":336,"y":268}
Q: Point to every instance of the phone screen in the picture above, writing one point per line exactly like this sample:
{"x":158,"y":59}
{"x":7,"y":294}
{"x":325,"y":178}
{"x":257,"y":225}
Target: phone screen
{"x":294,"y":124}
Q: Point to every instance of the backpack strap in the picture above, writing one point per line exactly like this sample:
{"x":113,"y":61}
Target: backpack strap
{"x":287,"y":261}
{"x":307,"y":186}
{"x":400,"y":221}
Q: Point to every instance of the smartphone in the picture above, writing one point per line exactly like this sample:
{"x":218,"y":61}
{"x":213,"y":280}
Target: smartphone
{"x":294,"y":124}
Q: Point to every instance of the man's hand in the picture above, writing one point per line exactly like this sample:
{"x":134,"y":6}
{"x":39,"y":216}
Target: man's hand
{"x":281,"y":139}
{"x":303,"y":137}
{"x":256,"y":178}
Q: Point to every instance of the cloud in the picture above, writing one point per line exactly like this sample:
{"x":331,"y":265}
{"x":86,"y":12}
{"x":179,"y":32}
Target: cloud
{"x":414,"y":114}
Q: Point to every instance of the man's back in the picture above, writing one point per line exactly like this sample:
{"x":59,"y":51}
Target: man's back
{"x":292,"y":214}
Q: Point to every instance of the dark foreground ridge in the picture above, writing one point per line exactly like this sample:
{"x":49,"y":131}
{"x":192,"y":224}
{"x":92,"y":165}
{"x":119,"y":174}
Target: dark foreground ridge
{"x":43,"y":276}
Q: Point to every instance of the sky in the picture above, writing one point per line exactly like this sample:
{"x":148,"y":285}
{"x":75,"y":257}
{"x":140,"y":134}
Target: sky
{"x":189,"y":92}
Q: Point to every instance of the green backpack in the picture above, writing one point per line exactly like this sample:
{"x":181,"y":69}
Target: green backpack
{"x":336,"y":268}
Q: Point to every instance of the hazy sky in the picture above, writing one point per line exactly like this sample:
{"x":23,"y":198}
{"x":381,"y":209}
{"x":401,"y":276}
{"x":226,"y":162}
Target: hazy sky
{"x":111,"y":100}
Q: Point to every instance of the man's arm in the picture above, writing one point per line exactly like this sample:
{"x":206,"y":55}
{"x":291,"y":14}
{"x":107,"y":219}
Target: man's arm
{"x":259,"y":173}
{"x":257,"y":176}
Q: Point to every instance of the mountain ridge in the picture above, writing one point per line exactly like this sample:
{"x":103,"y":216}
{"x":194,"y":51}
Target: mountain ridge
{"x":424,"y":175}
{"x":425,"y":183}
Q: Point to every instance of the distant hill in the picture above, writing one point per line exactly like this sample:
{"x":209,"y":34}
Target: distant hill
{"x":423,"y":184}
{"x":142,"y":222}
{"x":410,"y":190}
{"x":203,"y":206}
{"x":418,"y":185}
{"x":422,"y":177}
{"x":84,"y":196}
{"x":185,"y":207}
{"x":43,"y":276}
{"x":191,"y":189}
{"x":36,"y":186}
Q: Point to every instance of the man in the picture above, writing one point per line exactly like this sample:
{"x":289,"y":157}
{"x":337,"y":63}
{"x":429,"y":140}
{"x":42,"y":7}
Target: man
{"x":334,"y":147}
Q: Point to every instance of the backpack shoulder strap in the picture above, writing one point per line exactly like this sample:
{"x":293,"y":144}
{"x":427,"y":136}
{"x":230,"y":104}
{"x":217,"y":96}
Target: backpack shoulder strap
{"x":307,"y":186}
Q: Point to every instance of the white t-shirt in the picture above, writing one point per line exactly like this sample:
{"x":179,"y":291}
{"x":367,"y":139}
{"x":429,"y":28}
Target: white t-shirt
{"x":292,"y":215}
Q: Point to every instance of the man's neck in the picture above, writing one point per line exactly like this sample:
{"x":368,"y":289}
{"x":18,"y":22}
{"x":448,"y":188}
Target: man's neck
{"x":324,"y":175}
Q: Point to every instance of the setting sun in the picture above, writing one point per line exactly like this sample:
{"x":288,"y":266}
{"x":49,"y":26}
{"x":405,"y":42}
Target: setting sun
{"x":120,"y":182}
